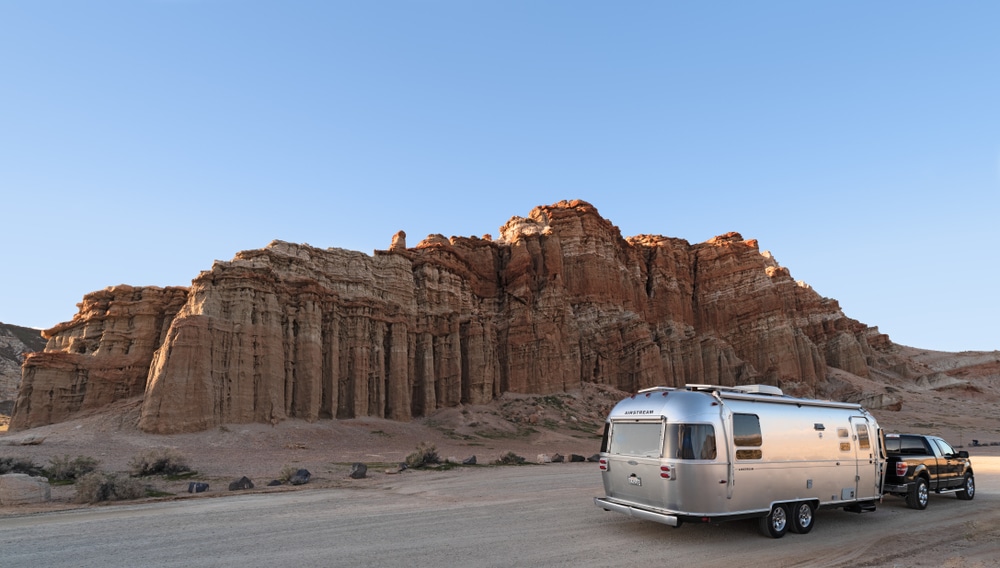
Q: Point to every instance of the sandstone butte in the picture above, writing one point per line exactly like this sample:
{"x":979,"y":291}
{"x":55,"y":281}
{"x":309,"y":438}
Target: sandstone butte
{"x":559,"y":299}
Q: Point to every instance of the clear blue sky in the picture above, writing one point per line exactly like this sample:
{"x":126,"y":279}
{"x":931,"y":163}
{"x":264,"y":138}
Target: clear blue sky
{"x":859,"y":142}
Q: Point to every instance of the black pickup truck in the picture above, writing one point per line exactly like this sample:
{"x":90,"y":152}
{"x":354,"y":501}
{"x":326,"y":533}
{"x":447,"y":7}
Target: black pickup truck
{"x":919,"y":464}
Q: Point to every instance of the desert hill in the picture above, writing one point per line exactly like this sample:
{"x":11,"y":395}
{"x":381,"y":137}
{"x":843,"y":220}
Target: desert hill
{"x":558,"y":303}
{"x":15,"y":343}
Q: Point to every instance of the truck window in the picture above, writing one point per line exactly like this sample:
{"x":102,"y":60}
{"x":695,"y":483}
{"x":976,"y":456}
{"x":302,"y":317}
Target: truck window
{"x":945,"y":447}
{"x":643,"y":439}
{"x":913,"y":445}
{"x":746,"y":433}
{"x":691,"y":441}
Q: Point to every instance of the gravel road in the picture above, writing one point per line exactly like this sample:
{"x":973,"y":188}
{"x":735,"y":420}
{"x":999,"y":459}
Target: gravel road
{"x":487,"y":516}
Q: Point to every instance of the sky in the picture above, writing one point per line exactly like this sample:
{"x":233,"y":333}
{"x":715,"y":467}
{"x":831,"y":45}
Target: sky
{"x":857,"y":141}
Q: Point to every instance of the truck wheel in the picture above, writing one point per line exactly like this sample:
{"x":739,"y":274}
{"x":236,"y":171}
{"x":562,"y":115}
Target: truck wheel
{"x":802,"y":518}
{"x":968,"y":490}
{"x":775,"y":523}
{"x":918,"y":494}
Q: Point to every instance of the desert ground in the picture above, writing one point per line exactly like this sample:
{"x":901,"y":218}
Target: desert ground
{"x":950,"y":533}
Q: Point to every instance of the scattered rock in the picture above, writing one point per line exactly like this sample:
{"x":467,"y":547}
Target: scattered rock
{"x":30,"y":440}
{"x":558,"y":458}
{"x":197,"y":487}
{"x":273,"y":483}
{"x":240,"y":484}
{"x":301,"y":477}
{"x":359,"y":471}
{"x":469,"y":461}
{"x":21,"y":488}
{"x":594,"y":458}
{"x":544,"y":458}
{"x":577,"y":458}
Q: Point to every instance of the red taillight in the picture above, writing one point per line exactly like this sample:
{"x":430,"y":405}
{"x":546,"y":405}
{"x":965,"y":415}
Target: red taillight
{"x":901,"y":468}
{"x":603,"y":464}
{"x":665,"y":471}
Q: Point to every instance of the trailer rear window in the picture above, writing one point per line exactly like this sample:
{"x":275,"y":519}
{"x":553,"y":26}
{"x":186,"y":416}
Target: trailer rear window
{"x":643,"y":439}
{"x":691,"y":441}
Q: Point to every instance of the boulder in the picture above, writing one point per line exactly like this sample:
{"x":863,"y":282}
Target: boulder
{"x":577,"y":458}
{"x":241,"y":484}
{"x":21,"y":489}
{"x":301,"y":477}
{"x":359,"y":471}
{"x":197,"y":487}
{"x":471,"y":460}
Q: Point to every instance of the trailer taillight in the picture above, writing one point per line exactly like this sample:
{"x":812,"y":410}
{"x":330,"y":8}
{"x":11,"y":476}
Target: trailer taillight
{"x":901,"y":468}
{"x":665,"y":471}
{"x":603,"y":464}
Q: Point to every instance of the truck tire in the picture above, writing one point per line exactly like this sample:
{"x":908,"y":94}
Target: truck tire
{"x":918,"y":495}
{"x":802,"y":517}
{"x":775,"y":523}
{"x":968,"y":490}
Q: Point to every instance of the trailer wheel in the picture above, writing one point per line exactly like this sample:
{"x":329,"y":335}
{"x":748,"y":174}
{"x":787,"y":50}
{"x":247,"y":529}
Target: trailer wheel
{"x":775,"y":523}
{"x":918,"y":495}
{"x":968,"y":490}
{"x":802,"y":517}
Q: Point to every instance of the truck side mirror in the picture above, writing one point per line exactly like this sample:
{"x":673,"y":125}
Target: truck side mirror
{"x":963,"y":454}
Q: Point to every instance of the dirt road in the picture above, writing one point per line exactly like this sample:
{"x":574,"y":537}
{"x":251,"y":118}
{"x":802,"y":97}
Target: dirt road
{"x":488,"y":516}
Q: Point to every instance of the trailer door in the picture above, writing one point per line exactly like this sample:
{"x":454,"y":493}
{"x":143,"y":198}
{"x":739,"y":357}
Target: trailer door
{"x":865,"y":458}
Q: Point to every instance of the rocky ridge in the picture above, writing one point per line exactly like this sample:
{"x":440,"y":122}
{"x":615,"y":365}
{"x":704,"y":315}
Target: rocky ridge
{"x":558,"y":300}
{"x":15,"y":343}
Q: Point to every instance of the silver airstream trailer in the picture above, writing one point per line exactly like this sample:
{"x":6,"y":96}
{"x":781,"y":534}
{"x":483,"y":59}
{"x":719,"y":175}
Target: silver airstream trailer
{"x":708,"y":453}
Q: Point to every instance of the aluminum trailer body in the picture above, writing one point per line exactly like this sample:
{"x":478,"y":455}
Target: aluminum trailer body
{"x":707,"y":453}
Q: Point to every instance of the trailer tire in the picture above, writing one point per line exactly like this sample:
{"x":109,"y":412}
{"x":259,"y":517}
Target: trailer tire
{"x":802,"y":517}
{"x":775,"y":523}
{"x":918,"y":495}
{"x":968,"y":490}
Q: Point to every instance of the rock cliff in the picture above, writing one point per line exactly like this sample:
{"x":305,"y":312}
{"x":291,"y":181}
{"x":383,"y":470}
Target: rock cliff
{"x":558,"y":299}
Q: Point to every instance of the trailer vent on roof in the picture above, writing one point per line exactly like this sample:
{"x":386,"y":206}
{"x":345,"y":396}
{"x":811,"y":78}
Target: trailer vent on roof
{"x":759,"y":389}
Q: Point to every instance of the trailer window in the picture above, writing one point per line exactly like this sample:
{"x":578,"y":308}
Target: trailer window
{"x":644,"y":439}
{"x":863,"y":442}
{"x":691,"y":441}
{"x":746,"y":434}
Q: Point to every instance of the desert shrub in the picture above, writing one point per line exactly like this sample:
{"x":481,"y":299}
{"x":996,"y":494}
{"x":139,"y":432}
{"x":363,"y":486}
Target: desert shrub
{"x":510,"y":458}
{"x":66,"y":469}
{"x":100,"y":486}
{"x":19,"y":465}
{"x":425,"y":455}
{"x":287,"y":473}
{"x":162,"y":461}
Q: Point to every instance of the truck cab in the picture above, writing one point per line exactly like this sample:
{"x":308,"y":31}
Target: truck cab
{"x":918,"y":464}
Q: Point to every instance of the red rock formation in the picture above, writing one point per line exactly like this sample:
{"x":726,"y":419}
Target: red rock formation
{"x":560,"y":298}
{"x":100,"y":356}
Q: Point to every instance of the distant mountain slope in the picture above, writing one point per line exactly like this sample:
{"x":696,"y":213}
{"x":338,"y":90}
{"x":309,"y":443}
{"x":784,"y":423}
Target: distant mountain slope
{"x":15,"y":341}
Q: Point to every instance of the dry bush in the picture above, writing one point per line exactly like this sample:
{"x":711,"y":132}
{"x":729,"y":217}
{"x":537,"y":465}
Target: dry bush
{"x":67,"y":469}
{"x":425,"y":455}
{"x":19,"y":465}
{"x":99,"y":486}
{"x":162,"y":461}
{"x":287,"y":473}
{"x":510,"y":458}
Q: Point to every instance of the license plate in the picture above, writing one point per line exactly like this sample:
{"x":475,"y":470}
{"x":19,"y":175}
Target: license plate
{"x":635,"y":480}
